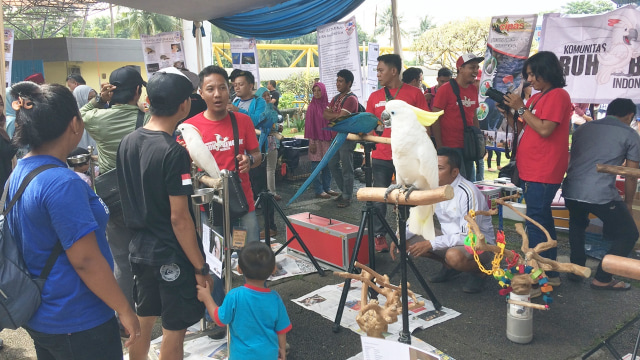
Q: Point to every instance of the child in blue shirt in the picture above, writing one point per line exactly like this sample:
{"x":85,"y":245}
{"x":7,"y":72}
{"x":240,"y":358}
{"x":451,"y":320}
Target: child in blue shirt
{"x":257,"y":318}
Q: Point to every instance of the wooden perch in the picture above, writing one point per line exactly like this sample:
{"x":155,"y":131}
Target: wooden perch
{"x":418,"y":197}
{"x":372,"y":138}
{"x":276,"y":134}
{"x":528,"y":304}
{"x":211,"y":182}
{"x":481,"y":243}
{"x":618,"y":170}
{"x":622,"y":266}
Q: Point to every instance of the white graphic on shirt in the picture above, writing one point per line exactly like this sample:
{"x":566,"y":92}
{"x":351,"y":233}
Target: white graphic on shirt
{"x":382,"y":103}
{"x":221,"y":143}
{"x":466,"y":102}
{"x":106,"y":208}
{"x":170,"y":272}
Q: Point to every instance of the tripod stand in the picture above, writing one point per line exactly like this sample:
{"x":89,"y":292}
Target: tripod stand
{"x":269,"y":204}
{"x":368,"y":214}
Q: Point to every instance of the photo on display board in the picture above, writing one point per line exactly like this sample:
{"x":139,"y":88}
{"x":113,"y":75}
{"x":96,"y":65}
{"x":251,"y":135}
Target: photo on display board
{"x":248,"y":58}
{"x":151,"y":68}
{"x":149,"y":50}
{"x":235,"y":58}
{"x":176,"y":48}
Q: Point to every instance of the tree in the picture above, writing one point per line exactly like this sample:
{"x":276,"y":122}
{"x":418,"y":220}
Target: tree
{"x":144,"y":22}
{"x":386,"y":24}
{"x":587,"y":7}
{"x":444,"y":44}
{"x":299,"y":84}
{"x":37,"y":22}
{"x":426,"y":23}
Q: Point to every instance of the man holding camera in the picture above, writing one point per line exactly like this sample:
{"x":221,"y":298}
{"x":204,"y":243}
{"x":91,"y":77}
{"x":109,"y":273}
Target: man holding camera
{"x":448,"y":130}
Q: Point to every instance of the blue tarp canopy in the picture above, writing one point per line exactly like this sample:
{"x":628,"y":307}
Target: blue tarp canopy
{"x":262,"y":19}
{"x":286,"y":20}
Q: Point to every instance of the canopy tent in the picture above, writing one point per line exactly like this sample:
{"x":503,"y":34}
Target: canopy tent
{"x":262,"y":19}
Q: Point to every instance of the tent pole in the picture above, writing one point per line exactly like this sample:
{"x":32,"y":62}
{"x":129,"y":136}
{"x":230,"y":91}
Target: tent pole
{"x":397,"y":41}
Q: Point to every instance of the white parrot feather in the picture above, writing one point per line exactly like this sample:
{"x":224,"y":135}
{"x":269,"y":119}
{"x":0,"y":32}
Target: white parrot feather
{"x":199,"y":153}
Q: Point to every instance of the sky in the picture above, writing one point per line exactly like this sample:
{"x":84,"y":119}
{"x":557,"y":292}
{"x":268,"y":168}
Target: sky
{"x":443,"y":11}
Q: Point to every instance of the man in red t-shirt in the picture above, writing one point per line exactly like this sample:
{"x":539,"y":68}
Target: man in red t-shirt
{"x":448,"y":130}
{"x":341,"y":165}
{"x":444,"y":75}
{"x":389,"y":70}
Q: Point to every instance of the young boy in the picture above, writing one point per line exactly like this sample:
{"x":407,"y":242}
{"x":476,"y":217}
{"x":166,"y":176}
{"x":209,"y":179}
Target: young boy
{"x":80,"y":169}
{"x":256,"y":315}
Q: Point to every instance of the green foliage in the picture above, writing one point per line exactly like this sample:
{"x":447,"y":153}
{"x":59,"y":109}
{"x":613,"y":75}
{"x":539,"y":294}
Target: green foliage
{"x":587,"y":7}
{"x":299,"y":123}
{"x":385,"y":24}
{"x":144,"y":22}
{"x":445,"y":43}
{"x":286,"y":100}
{"x":300,"y":85}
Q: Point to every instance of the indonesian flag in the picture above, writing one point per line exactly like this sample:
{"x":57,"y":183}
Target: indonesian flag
{"x":186,"y":179}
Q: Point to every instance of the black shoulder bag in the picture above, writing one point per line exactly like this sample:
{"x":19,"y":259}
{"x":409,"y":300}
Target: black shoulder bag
{"x":238,"y":205}
{"x":474,"y":143}
{"x":107,"y":184}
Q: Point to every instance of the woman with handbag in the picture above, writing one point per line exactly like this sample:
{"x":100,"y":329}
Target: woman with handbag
{"x":542,"y":157}
{"x":58,"y":211}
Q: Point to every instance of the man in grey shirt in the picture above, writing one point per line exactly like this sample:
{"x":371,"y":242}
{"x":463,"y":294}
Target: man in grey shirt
{"x":608,"y":141}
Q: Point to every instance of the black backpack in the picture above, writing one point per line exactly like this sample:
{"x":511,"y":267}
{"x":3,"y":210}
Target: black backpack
{"x":19,"y":292}
{"x":360,"y":107}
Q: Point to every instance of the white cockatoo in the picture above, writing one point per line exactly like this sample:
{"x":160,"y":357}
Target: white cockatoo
{"x":620,"y":50}
{"x":415,"y":159}
{"x":199,"y":153}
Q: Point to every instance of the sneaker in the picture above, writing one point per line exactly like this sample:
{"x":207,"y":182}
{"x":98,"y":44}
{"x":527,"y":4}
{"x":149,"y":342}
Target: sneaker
{"x":445,"y":274}
{"x":554,"y":281}
{"x":217,"y":333}
{"x":475,"y":284}
{"x":323,"y":195}
{"x":272,"y":232}
{"x":381,"y":244}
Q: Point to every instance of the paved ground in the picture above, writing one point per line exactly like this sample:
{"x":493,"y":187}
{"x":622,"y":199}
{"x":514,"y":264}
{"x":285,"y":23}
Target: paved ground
{"x":579,"y":317}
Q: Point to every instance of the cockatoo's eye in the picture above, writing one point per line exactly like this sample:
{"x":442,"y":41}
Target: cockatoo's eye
{"x":393,"y":113}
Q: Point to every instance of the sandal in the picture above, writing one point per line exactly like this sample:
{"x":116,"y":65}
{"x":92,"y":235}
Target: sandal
{"x":612,"y":286}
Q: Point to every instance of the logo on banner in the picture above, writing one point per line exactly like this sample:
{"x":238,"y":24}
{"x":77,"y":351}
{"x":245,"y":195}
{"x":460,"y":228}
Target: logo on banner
{"x":504,"y":26}
{"x":350,"y":27}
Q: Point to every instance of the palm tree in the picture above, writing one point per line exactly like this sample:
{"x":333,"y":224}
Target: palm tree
{"x":386,"y":24}
{"x":144,"y":22}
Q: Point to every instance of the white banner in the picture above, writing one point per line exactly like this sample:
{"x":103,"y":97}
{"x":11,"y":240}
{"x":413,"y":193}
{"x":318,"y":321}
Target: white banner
{"x":162,"y":51}
{"x":372,"y":70}
{"x":600,"y":54}
{"x":337,"y":50}
{"x":244,"y":54}
{"x":8,"y":54}
{"x":508,"y":46}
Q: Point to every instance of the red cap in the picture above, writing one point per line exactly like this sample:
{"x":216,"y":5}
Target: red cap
{"x":467,"y":58}
{"x":36,"y":78}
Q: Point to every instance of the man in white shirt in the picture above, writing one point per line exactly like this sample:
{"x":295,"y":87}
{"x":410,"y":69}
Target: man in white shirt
{"x":448,"y":248}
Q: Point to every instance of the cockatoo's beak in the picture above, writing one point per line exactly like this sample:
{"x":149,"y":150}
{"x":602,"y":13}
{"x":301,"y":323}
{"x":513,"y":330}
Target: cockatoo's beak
{"x":386,"y":118}
{"x":426,"y":118}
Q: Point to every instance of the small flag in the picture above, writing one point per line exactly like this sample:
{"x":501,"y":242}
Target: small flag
{"x":186,"y":179}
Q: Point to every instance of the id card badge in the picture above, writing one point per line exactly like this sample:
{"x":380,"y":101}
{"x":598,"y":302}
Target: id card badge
{"x":238,"y":237}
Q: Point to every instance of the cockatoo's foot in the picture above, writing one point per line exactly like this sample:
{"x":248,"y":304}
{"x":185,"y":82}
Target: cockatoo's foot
{"x":408,"y":191}
{"x":390,"y":189}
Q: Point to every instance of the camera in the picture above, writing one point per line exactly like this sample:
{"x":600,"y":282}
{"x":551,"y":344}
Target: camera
{"x":498,"y":97}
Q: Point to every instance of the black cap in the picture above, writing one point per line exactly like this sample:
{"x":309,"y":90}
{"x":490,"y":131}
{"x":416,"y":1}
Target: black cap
{"x":168,"y":88}
{"x":126,"y":77}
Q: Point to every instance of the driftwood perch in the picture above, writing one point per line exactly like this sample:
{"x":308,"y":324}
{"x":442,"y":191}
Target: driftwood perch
{"x":372,"y":318}
{"x":418,"y":197}
{"x":211,"y":182}
{"x":372,"y":138}
{"x":618,"y":265}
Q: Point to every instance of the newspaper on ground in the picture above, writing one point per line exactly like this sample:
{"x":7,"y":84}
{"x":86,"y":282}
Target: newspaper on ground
{"x":381,"y":349}
{"x":325,"y":301}
{"x":288,"y":264}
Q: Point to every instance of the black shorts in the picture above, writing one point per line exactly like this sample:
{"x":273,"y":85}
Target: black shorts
{"x":168,"y":291}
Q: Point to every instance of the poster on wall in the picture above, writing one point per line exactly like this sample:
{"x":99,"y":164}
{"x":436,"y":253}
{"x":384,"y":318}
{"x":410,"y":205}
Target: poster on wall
{"x":372,"y":70}
{"x":244,"y":56}
{"x":508,"y":46}
{"x":162,"y":51}
{"x":600,"y":54}
{"x":8,"y":55}
{"x":337,"y":50}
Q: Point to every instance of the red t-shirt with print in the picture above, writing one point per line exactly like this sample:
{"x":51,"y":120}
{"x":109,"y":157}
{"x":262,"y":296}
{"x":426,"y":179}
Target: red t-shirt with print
{"x":376,"y":105}
{"x":218,"y":138}
{"x":451,"y":127}
{"x":545,"y":160}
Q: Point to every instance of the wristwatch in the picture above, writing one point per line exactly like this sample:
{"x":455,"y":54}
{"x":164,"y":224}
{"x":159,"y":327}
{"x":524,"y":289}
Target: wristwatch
{"x":521,"y":111}
{"x":205,"y":269}
{"x":251,"y":160}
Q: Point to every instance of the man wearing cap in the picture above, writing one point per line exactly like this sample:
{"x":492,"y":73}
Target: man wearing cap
{"x":197,"y":104}
{"x":165,"y":256}
{"x":448,"y":130}
{"x":389,"y":69}
{"x":107,"y":127}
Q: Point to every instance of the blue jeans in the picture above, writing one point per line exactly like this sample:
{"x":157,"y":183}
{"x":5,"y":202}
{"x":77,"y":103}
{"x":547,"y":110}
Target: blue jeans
{"x":101,"y":343}
{"x":341,"y":166}
{"x":250,"y":223}
{"x":538,"y":197}
{"x":480,"y":170}
{"x":468,"y":167}
{"x":322,"y":183}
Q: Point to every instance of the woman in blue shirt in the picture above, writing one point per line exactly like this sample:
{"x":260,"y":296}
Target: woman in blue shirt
{"x":76,"y":318}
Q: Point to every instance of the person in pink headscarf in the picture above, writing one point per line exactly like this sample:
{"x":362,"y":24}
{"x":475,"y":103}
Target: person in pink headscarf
{"x":319,"y":139}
